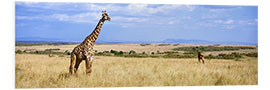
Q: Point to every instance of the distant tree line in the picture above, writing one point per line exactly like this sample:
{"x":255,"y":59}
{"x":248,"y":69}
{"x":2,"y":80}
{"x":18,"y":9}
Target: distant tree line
{"x":212,"y":48}
{"x":189,"y":52}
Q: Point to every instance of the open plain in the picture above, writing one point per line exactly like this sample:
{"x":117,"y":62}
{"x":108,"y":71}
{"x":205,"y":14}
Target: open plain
{"x":42,"y":71}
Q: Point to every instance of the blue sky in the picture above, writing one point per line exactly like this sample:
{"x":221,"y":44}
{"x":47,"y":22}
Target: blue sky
{"x":135,"y":22}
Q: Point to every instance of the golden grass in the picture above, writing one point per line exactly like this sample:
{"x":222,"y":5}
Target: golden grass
{"x":41,"y":71}
{"x":136,"y":47}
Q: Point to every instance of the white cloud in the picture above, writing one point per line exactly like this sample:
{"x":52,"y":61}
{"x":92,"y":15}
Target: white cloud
{"x":121,"y":13}
{"x":140,"y":9}
{"x":228,"y":22}
{"x":98,"y":7}
{"x":248,"y":22}
{"x":129,"y":19}
{"x":222,"y":8}
{"x":186,"y":17}
{"x":224,"y":21}
{"x":88,"y":17}
{"x":190,"y":7}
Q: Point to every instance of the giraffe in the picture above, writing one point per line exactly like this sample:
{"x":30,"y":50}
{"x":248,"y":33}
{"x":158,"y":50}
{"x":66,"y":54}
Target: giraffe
{"x":85,"y":50}
{"x":200,"y":56}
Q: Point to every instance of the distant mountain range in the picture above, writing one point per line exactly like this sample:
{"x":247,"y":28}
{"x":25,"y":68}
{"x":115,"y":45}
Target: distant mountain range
{"x":167,"y":41}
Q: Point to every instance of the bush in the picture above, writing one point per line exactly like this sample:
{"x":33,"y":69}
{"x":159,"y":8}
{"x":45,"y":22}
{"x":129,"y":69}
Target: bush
{"x":211,"y":48}
{"x":51,"y":49}
{"x":145,"y":44}
{"x":163,"y":44}
{"x":210,"y":56}
{"x":132,"y":52}
{"x":19,"y":51}
{"x":158,"y":51}
{"x":136,"y":55}
{"x":68,"y":53}
{"x":233,"y":55}
{"x":251,"y":54}
{"x":106,"y":52}
{"x":37,"y":52}
{"x":189,"y":52}
{"x":143,"y":53}
{"x":113,"y":51}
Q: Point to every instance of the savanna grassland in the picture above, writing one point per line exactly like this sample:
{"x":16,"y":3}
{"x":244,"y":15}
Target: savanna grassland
{"x":37,"y":70}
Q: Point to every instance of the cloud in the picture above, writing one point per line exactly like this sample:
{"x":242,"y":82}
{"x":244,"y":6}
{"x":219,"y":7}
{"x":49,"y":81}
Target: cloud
{"x":219,"y":8}
{"x":140,"y":9}
{"x":100,"y":7}
{"x":88,"y":17}
{"x":248,"y":22}
{"x":120,"y":13}
{"x":224,"y":21}
{"x":129,"y":19}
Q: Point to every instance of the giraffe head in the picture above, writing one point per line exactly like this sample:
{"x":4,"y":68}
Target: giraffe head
{"x":105,"y":16}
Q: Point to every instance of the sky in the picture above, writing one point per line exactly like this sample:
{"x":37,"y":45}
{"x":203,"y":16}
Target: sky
{"x":68,"y":21}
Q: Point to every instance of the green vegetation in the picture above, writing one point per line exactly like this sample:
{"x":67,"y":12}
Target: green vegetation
{"x":164,"y":44}
{"x":19,"y":51}
{"x":46,"y":51}
{"x":189,"y":52}
{"x":211,"y":48}
{"x":251,"y":54}
{"x":233,"y":55}
{"x":145,"y":44}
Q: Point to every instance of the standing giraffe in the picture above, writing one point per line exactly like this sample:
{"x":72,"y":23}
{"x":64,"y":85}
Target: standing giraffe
{"x":85,"y":50}
{"x":200,"y":56}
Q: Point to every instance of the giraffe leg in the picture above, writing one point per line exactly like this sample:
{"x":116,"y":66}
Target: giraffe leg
{"x":78,"y":62}
{"x":72,"y":63}
{"x":202,"y":61}
{"x":88,"y":64}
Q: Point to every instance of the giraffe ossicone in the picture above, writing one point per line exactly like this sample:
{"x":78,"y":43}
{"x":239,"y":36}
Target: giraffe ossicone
{"x":85,"y":50}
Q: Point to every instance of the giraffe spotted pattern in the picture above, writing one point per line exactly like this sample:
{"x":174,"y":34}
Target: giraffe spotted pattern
{"x":85,"y":50}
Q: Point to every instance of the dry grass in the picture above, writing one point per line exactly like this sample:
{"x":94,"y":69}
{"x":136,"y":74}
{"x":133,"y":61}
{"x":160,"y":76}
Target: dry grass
{"x":136,"y":47}
{"x":41,"y":71}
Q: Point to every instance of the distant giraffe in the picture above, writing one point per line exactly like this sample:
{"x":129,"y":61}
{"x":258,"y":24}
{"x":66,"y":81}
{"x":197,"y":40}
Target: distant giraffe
{"x":200,"y":56}
{"x":85,"y":50}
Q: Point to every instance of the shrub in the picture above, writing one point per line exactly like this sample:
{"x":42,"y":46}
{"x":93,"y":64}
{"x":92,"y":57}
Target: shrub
{"x":145,"y":44}
{"x":163,"y":44}
{"x":68,"y":53}
{"x":106,"y":52}
{"x":113,"y":51}
{"x":132,"y":52}
{"x":51,"y":49}
{"x":210,"y":56}
{"x":37,"y":52}
{"x":233,"y":55}
{"x":251,"y":54}
{"x":19,"y":51}
{"x":158,"y":51}
{"x":211,"y":48}
{"x":143,"y":52}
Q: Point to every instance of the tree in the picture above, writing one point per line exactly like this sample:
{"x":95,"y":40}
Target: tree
{"x":132,"y":52}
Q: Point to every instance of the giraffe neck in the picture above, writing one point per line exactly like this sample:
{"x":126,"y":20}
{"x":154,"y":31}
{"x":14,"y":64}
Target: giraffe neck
{"x":91,"y":39}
